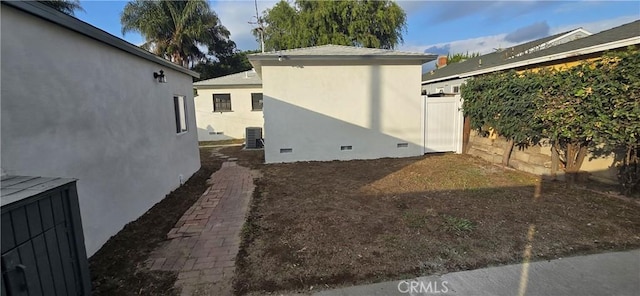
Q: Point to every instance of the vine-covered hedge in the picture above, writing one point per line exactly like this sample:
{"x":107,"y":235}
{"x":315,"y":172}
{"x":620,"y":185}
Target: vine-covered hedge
{"x":593,"y":107}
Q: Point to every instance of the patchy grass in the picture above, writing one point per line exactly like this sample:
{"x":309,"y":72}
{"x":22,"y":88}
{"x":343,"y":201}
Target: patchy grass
{"x":459,"y":225}
{"x":117,"y":268}
{"x":325,"y":224}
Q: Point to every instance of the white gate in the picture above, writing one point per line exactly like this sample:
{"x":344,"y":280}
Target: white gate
{"x":443,"y":122}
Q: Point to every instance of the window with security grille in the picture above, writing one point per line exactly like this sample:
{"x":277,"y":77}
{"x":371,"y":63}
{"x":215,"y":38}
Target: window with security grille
{"x":256,"y":101}
{"x":221,"y":102}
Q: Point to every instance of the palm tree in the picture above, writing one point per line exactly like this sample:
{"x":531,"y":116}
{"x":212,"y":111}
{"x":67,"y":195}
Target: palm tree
{"x":176,"y":30}
{"x":64,"y":6}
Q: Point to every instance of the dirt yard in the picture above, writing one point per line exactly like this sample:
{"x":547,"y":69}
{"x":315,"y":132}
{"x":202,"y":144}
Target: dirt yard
{"x":117,"y":268}
{"x":328,"y":224}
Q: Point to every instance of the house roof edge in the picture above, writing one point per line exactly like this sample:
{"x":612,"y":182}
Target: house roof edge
{"x":44,"y":12}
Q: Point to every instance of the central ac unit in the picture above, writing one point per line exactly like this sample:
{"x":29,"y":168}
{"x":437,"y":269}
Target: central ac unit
{"x":253,"y":138}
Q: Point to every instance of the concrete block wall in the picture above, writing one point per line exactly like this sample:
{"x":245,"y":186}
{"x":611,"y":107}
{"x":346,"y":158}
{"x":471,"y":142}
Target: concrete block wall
{"x":537,"y":159}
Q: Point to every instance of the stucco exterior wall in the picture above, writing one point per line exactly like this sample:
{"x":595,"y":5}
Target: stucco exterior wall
{"x":314,"y":108}
{"x":231,"y":124}
{"x":77,"y":108}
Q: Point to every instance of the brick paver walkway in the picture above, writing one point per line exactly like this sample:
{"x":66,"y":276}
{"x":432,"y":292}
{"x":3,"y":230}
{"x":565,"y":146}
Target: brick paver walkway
{"x":203,"y":245}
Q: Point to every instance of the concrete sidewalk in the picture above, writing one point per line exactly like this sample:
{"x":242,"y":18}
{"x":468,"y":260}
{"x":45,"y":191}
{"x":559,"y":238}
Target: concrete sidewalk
{"x":615,"y":273}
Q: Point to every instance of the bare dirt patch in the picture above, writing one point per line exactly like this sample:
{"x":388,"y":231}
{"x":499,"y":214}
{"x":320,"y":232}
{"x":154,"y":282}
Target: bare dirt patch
{"x":118,"y":267}
{"x":221,"y":142}
{"x":252,"y":158}
{"x":326,"y":224}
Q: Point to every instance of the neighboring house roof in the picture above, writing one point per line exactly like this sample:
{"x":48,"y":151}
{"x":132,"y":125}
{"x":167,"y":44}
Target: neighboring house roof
{"x":338,"y":52}
{"x":246,"y":78}
{"x":618,"y":37}
{"x":47,"y":13}
{"x":494,"y":58}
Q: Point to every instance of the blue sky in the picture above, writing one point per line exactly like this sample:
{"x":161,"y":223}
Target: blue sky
{"x":432,"y":26}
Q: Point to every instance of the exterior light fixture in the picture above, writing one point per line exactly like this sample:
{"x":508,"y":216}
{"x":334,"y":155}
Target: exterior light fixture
{"x":160,"y":76}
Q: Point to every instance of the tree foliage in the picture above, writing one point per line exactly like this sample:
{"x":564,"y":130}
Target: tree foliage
{"x":460,"y":57}
{"x":592,"y":107}
{"x":614,"y":101}
{"x":65,"y":6}
{"x":617,"y":112}
{"x":231,"y":64}
{"x":504,"y":102}
{"x":364,"y":23}
{"x":176,"y":30}
{"x":561,"y":109}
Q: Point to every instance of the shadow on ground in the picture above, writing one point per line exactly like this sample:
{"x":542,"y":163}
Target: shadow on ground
{"x":326,"y":224}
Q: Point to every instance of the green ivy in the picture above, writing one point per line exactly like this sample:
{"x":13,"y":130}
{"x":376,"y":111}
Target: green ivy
{"x":593,"y":107}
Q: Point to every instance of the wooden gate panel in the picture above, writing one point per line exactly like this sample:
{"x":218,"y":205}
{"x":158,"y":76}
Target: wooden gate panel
{"x":42,"y":241}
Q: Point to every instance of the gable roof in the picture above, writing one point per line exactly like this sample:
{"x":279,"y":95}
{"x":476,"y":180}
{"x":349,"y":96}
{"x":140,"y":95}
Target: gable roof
{"x":621,"y":36}
{"x":71,"y":23}
{"x":246,"y":78}
{"x":490,"y":59}
{"x":630,"y":31}
{"x":332,"y":50}
{"x":340,"y":52}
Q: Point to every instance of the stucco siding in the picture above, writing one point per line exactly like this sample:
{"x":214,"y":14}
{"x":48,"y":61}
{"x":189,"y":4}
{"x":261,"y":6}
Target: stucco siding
{"x":231,"y":124}
{"x":315,"y":108}
{"x":77,"y":108}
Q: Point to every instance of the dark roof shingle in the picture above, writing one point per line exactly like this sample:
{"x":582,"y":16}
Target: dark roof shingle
{"x":486,"y":60}
{"x":505,"y":58}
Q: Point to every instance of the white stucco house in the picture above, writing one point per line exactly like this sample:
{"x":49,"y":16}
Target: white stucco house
{"x":80,"y":103}
{"x":340,"y":103}
{"x":227,"y":105}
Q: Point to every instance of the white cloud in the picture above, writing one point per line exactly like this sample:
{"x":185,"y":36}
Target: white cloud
{"x":236,"y":15}
{"x":482,"y":45}
{"x":487,"y":44}
{"x":598,"y":26}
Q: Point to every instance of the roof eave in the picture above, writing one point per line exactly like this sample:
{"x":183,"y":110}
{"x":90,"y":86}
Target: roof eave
{"x":214,"y":86}
{"x":76,"y":25}
{"x":422,"y":58}
{"x":441,"y":79}
{"x":548,"y":58}
{"x":559,"y":56}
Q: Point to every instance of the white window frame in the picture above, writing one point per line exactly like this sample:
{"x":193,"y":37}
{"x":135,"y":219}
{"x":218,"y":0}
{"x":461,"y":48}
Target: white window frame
{"x":453,"y":91}
{"x":226,"y":103}
{"x":180,"y":112}
{"x":260,"y":101}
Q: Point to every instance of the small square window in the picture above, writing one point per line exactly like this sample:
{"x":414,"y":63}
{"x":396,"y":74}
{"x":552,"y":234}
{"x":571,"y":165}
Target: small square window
{"x":256,"y":101}
{"x":455,"y":89}
{"x":221,"y":102}
{"x":180,"y":110}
